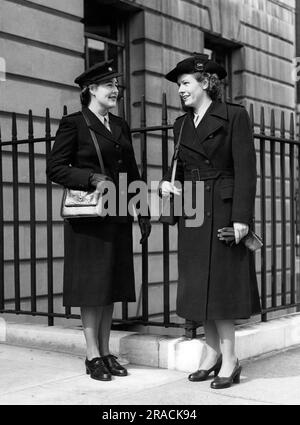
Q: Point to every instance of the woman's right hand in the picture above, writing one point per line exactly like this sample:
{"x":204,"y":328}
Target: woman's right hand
{"x":96,"y":178}
{"x":167,"y":188}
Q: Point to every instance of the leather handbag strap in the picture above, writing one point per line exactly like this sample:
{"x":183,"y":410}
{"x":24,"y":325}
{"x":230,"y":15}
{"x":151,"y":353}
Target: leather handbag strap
{"x":176,"y":151}
{"x":94,"y":138}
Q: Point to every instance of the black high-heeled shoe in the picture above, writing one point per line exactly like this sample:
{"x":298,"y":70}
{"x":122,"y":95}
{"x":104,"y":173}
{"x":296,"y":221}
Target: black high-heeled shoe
{"x":97,"y":369}
{"x":202,"y":374}
{"x":226,"y":382}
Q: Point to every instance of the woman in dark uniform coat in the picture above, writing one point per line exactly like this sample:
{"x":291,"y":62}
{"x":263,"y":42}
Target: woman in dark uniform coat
{"x":98,"y":267}
{"x":217,"y":282}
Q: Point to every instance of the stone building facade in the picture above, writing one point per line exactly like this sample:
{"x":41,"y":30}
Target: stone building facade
{"x":46,"y":44}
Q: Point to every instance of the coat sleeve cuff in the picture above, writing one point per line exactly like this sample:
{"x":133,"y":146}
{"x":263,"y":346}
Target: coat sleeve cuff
{"x":81,"y":180}
{"x":241,"y":218}
{"x":159,"y":189}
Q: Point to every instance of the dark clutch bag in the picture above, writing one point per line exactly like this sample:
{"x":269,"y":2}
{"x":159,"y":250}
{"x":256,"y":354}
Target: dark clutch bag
{"x":252,"y":241}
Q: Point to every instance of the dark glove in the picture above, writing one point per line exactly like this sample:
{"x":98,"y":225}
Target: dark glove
{"x":145,"y":227}
{"x":96,"y":178}
{"x":227,"y":235}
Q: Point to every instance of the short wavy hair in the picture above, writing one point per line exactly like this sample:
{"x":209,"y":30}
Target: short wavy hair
{"x":215,"y":88}
{"x":85,"y":96}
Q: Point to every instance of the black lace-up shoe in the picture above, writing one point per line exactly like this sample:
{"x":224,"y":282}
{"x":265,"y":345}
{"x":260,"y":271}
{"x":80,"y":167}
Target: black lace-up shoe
{"x":114,"y":366}
{"x":97,"y":369}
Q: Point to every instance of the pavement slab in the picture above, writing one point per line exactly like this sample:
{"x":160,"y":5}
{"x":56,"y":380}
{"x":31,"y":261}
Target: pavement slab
{"x":31,"y":376}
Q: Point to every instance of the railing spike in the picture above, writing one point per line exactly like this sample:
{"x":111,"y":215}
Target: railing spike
{"x":143,"y":111}
{"x":272,"y":130}
{"x":282,"y":125}
{"x":251,"y":115}
{"x":14,"y":126}
{"x":292,"y":126}
{"x":48,"y":125}
{"x":164,"y":109}
{"x":30,"y":124}
{"x":262,"y":120}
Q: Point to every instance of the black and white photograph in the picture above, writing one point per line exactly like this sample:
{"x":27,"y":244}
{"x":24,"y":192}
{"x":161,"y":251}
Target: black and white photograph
{"x":149,"y":205}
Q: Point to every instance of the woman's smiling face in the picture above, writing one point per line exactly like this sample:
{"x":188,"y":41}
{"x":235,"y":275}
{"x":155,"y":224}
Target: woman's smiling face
{"x":106,"y":93}
{"x":190,"y":90}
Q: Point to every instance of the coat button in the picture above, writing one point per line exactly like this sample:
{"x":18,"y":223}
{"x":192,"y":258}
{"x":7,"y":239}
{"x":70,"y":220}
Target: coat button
{"x":117,"y":146}
{"x":120,"y":161}
{"x":208,"y":214}
{"x":207,"y":161}
{"x":207,"y":188}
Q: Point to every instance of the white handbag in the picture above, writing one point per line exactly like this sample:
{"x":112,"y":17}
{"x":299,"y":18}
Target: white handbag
{"x":78,"y":203}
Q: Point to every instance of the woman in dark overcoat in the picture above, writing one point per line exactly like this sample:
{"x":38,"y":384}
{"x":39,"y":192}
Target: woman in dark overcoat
{"x":98,"y":260}
{"x":217,"y":281}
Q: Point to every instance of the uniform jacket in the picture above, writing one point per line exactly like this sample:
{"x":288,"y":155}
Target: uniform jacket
{"x":216,"y":281}
{"x":73,"y":157}
{"x":222,"y":141}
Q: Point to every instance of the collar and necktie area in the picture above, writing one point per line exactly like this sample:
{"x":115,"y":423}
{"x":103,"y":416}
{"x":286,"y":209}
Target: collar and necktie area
{"x":105,"y":121}
{"x":196,"y":120}
{"x":198,"y":117}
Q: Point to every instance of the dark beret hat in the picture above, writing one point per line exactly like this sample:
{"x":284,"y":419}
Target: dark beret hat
{"x":99,"y":72}
{"x":196,"y":63}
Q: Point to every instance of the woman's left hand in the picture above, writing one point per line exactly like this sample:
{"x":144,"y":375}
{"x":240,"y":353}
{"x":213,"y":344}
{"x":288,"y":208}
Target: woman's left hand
{"x":240,"y":231}
{"x":145,"y":227}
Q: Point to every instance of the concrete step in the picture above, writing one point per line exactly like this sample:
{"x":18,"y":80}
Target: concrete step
{"x":161,"y":351}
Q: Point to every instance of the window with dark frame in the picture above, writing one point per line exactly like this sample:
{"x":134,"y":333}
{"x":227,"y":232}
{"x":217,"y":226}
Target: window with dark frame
{"x":222,"y":60}
{"x":106,"y":38}
{"x":220,"y":51}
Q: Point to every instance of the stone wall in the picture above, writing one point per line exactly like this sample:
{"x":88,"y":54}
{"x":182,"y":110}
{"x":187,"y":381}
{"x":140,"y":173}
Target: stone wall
{"x":38,"y":36}
{"x":42,"y":43}
{"x":168,"y":31}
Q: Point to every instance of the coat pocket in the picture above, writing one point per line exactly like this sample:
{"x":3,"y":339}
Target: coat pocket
{"x":226,"y":189}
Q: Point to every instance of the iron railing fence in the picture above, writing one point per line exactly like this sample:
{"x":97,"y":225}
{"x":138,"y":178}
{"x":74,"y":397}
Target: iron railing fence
{"x":277,"y":220}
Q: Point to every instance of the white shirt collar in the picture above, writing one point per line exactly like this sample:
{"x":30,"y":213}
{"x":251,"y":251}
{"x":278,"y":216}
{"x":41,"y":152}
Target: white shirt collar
{"x":102,"y":118}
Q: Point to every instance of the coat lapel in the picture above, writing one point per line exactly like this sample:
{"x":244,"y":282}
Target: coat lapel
{"x":190,"y":137}
{"x":99,"y":128}
{"x":116,"y":127}
{"x":217,"y":118}
{"x":213,"y":120}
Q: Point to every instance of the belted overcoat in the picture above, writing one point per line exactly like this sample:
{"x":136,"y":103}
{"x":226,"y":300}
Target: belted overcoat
{"x":217,"y":281}
{"x":98,"y":255}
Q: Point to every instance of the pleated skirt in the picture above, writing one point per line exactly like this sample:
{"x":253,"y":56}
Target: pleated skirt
{"x":98,"y":263}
